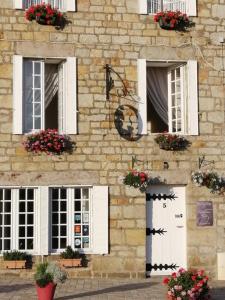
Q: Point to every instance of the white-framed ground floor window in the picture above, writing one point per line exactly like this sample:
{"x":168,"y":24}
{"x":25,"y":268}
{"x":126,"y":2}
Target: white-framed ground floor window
{"x":44,"y":220}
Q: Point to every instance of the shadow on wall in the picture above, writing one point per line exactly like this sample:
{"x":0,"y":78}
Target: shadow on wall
{"x":15,"y":287}
{"x":115,"y":289}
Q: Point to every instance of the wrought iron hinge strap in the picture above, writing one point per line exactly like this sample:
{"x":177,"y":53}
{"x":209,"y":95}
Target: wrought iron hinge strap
{"x":154,"y":197}
{"x":154,"y":231}
{"x":150,"y":267}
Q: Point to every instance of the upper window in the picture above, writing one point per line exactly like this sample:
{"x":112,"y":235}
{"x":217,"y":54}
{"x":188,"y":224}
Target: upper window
{"x":63,"y":5}
{"x":168,"y":97}
{"x":154,"y":6}
{"x":45,"y":95}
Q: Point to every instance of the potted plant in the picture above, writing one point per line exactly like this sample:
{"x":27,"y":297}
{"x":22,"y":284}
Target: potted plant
{"x":71,"y":258}
{"x":47,"y":276}
{"x":172,"y":20}
{"x":44,"y":14}
{"x":186,"y":285}
{"x":15,"y":259}
{"x":171,"y":142}
{"x":48,"y":141}
{"x":209,"y":179}
{"x":136,"y":179}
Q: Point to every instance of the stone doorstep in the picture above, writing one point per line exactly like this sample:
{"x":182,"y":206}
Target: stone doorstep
{"x":29,"y":273}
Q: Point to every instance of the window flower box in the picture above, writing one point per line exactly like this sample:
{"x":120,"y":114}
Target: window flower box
{"x":44,"y":14}
{"x":15,"y":260}
{"x":172,"y":20}
{"x":48,"y":141}
{"x":70,"y":258}
{"x":171,"y":142}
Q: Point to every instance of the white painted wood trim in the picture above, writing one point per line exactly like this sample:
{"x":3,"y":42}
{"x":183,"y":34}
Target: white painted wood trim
{"x":44,"y":219}
{"x":192,"y":74}
{"x":70,"y":5}
{"x":143,"y":7}
{"x":17,"y":94}
{"x":142,"y":94}
{"x":71,"y":96}
{"x":100,"y":219}
{"x":18,"y":4}
{"x":192,"y":8}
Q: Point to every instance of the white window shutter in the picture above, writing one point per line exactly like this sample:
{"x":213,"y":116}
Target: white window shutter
{"x":70,"y":5}
{"x":192,"y":74}
{"x":143,"y":7}
{"x":192,"y":8}
{"x":43,"y":221}
{"x":142,"y":94}
{"x":70,"y":91}
{"x":100,"y":219}
{"x":17,"y":94}
{"x":18,"y":4}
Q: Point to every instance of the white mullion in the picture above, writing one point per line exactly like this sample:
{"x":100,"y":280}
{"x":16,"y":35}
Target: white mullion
{"x":182,"y":99}
{"x":33,"y":94}
{"x":90,"y":219}
{"x":70,"y":213}
{"x":42,"y":95}
{"x":15,"y":218}
{"x":169,"y":102}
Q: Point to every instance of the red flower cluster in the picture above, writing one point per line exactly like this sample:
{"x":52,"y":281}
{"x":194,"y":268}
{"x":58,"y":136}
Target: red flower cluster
{"x":136,"y":179}
{"x":43,"y":14}
{"x":187,"y":285}
{"x":171,"y":19}
{"x":48,"y":141}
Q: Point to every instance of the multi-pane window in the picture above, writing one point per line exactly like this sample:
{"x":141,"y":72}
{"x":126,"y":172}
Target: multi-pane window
{"x":155,"y":6}
{"x":5,"y":219}
{"x":70,"y":218}
{"x":17,"y":219}
{"x":55,"y":3}
{"x":26,"y":219}
{"x":44,"y":94}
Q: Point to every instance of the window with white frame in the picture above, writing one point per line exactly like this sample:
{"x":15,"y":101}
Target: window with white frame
{"x":70,"y":218}
{"x":44,"y":220}
{"x":168,"y":97}
{"x":18,"y":219}
{"x":154,"y":6}
{"x":63,"y":5}
{"x":44,"y":94}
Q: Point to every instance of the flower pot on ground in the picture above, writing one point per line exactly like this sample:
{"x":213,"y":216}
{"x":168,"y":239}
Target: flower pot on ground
{"x":172,"y":142}
{"x":187,"y":285}
{"x":70,"y":258}
{"x":47,"y":276}
{"x":16,"y":260}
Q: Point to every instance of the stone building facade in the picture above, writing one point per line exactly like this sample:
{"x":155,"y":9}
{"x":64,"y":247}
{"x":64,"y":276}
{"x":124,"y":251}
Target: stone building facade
{"x":115,"y":32}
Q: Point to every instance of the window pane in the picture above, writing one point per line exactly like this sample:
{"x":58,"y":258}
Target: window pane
{"x":30,"y":231}
{"x":22,"y":231}
{"x":22,"y":219}
{"x":63,"y":230}
{"x":7,"y":232}
{"x":7,"y":220}
{"x":7,"y":207}
{"x":37,"y":82}
{"x":37,"y":123}
{"x":1,"y":194}
{"x":30,"y":206}
{"x":7,"y":194}
{"x":22,"y":194}
{"x":22,"y":244}
{"x":7,"y":244}
{"x":77,"y":194}
{"x":30,"y":194}
{"x":55,"y":205}
{"x":63,"y":218}
{"x":55,"y":194}
{"x":37,"y":96}
{"x":30,"y":219}
{"x":54,"y":243}
{"x":55,"y":231}
{"x":63,"y":205}
{"x":63,"y":193}
{"x":85,"y":193}
{"x":63,"y":243}
{"x":77,"y":205}
{"x":55,"y":218}
{"x":37,"y":68}
{"x":22,"y":206}
{"x":30,"y":244}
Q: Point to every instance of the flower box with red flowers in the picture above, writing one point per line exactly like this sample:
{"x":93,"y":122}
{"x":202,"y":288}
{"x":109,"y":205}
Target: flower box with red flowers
{"x":171,"y":142}
{"x":136,"y":179}
{"x":44,"y":14}
{"x":187,"y":285}
{"x":48,"y":141}
{"x":172,"y":20}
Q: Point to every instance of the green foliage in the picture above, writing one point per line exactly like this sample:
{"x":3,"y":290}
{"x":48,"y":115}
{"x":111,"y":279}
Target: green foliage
{"x":49,"y":272}
{"x":171,"y":142}
{"x":136,"y":179}
{"x":69,"y":253}
{"x":16,"y":255}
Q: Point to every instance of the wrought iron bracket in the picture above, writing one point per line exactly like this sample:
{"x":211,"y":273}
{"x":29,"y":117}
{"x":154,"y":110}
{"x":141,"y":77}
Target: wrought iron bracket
{"x":154,"y":231}
{"x":202,"y":162}
{"x":110,"y":82}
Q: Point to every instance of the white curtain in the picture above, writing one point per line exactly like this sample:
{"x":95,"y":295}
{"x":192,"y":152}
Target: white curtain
{"x":157,"y":91}
{"x":51,"y":83}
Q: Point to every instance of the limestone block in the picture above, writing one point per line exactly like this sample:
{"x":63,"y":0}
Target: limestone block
{"x":6,"y":71}
{"x":135,"y":237}
{"x":216,"y":117}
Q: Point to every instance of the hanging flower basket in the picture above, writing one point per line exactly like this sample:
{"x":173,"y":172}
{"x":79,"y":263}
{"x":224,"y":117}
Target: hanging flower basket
{"x":44,"y":14}
{"x":48,"y":141}
{"x":171,"y":142}
{"x":172,"y":20}
{"x":136,"y":179}
{"x":187,"y":285}
{"x":209,"y":179}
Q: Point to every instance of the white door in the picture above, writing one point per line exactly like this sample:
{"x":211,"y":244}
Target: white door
{"x":166,"y":229}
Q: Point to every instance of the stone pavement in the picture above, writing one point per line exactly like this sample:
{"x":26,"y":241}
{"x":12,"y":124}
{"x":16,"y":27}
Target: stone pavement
{"x":93,"y":289}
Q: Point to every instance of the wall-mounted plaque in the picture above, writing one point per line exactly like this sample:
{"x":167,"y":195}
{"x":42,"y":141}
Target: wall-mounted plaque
{"x":204,"y":213}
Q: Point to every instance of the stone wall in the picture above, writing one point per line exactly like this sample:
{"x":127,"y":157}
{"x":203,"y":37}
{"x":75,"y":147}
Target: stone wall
{"x":111,"y":31}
